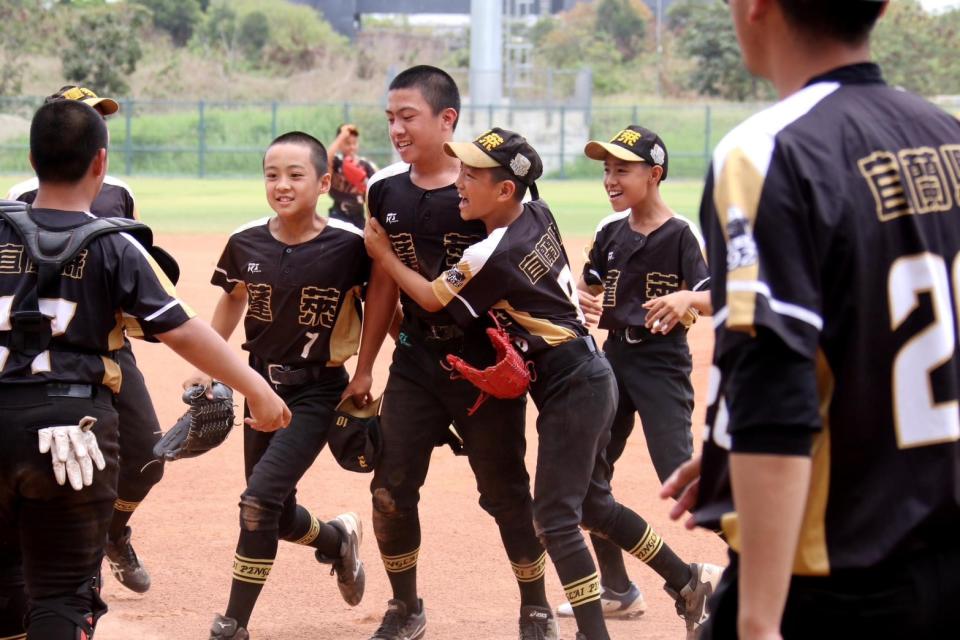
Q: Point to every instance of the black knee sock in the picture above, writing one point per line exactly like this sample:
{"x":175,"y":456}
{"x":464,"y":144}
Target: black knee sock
{"x":613,"y":572}
{"x":636,"y":537}
{"x":528,"y":559}
{"x":122,"y":512}
{"x":309,"y":531}
{"x":581,"y":584}
{"x":398,"y":536}
{"x":256,"y":551}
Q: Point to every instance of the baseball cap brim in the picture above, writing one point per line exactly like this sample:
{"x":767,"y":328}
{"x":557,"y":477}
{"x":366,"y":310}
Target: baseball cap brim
{"x":600,"y":150}
{"x":470,"y":155}
{"x":348,"y":406}
{"x":106,"y":106}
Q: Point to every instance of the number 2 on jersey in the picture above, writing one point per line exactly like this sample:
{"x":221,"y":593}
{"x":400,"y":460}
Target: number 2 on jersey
{"x":920,"y":420}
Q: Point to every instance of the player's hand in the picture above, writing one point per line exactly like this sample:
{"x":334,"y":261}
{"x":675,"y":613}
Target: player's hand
{"x":346,"y":131}
{"x":359,"y":389}
{"x":376,"y":239}
{"x":200,"y":379}
{"x":267,"y":411}
{"x":74,"y":450}
{"x":685,"y":482}
{"x":591,"y":305}
{"x":665,"y":312}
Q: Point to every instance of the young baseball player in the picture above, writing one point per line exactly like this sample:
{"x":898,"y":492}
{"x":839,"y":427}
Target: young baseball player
{"x":295,"y":280}
{"x":520,"y":273}
{"x":139,"y":426}
{"x":643,"y":277}
{"x":349,"y":174}
{"x":833,"y":232}
{"x":60,"y":324}
{"x":417,"y":203}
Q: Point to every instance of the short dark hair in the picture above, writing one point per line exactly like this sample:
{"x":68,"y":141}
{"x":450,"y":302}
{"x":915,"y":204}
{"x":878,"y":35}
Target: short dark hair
{"x":500,"y":174}
{"x":437,"y":87}
{"x":849,"y":21}
{"x":318,"y":152}
{"x":355,"y":132}
{"x":65,"y":137}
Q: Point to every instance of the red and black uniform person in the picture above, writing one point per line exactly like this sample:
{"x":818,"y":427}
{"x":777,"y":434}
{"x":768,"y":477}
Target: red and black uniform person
{"x":643,"y":259}
{"x":296,"y":280}
{"x":832,"y":223}
{"x":421,"y":401}
{"x":139,"y":427}
{"x":349,"y":175}
{"x":521,"y":274}
{"x":60,"y":532}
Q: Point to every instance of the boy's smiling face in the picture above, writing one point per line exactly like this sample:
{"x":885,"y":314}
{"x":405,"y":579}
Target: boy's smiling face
{"x":479,"y":193}
{"x":291,"y":180}
{"x":628,"y":183}
{"x":417,"y":133}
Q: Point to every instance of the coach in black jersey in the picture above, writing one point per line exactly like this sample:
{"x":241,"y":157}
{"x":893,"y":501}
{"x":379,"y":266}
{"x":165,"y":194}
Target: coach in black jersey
{"x":139,"y":426}
{"x":520,"y":273}
{"x":417,"y":203}
{"x":59,"y":532}
{"x":832,"y":222}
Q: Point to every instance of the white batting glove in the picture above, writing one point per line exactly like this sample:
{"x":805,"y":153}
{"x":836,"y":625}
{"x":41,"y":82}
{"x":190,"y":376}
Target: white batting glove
{"x":74,"y":450}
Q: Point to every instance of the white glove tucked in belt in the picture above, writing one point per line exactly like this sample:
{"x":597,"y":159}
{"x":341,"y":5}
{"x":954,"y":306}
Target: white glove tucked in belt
{"x":74,"y":451}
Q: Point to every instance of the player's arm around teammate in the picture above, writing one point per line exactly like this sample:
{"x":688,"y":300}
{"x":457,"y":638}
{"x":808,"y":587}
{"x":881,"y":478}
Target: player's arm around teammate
{"x":295,"y":279}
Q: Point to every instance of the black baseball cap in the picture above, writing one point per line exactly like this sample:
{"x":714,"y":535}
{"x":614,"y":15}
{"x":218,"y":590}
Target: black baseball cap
{"x":633,"y":144}
{"x":106,"y":106}
{"x":500,"y":148}
{"x":354,"y":435}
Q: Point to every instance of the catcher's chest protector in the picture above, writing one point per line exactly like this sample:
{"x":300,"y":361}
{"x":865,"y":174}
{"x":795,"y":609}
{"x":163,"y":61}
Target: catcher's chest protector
{"x":50,"y":250}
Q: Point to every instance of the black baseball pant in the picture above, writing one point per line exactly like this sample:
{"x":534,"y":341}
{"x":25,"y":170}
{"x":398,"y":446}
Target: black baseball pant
{"x":56,"y":533}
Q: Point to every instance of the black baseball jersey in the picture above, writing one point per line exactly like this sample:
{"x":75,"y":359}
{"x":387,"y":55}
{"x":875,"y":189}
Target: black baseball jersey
{"x":115,"y":199}
{"x":303,"y":301}
{"x":832,"y":220}
{"x":521,"y":272}
{"x":425,"y":228}
{"x":633,"y":268}
{"x":347,"y":199}
{"x":112,"y":277}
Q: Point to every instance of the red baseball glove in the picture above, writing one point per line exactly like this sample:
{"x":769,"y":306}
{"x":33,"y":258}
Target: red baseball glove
{"x":355,"y":174}
{"x":508,"y":378}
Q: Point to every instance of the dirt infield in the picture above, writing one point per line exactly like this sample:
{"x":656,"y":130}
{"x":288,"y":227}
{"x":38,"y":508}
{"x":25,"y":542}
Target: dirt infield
{"x":186,"y":530}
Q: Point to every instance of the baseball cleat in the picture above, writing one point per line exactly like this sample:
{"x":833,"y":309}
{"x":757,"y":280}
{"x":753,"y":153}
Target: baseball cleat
{"x":224,"y":628}
{"x":616,"y":606}
{"x":692,"y":599}
{"x":537,"y":623}
{"x":351,"y":578}
{"x":399,"y":625}
{"x":125,"y":565}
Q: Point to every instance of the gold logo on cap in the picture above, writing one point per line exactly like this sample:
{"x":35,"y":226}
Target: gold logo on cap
{"x":490,"y":140}
{"x":78,"y":93}
{"x":627,"y":137}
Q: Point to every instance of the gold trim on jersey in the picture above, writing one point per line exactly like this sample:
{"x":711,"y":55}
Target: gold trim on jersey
{"x":115,"y":337}
{"x":112,"y":376}
{"x":402,"y":562}
{"x":736,"y":197}
{"x":531,"y":571}
{"x":126,"y":506}
{"x":648,"y":546}
{"x":447,"y":286}
{"x":345,"y":336}
{"x":584,"y":590}
{"x":252,"y":570}
{"x":551,"y":333}
{"x":19,"y":636}
{"x":311,"y":533}
{"x":812,"y":558}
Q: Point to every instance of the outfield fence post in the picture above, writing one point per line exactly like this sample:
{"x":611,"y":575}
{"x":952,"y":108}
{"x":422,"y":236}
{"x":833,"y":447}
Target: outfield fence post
{"x":273,"y":120}
{"x":346,"y":112}
{"x":563,"y":134}
{"x":708,"y":134}
{"x":490,"y":116}
{"x":128,"y":136}
{"x":201,"y":140}
{"x":636,"y":115}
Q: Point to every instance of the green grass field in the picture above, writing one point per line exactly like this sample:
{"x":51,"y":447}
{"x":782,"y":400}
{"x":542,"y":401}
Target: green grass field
{"x":192,"y":206}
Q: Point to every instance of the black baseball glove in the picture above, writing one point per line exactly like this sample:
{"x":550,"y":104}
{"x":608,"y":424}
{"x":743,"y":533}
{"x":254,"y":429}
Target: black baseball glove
{"x":204,"y":426}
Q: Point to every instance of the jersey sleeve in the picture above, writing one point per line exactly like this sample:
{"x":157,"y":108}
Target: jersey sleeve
{"x":145,"y":292}
{"x":763,"y":254}
{"x":693,"y":265}
{"x":477,"y":282}
{"x":227,"y":274}
{"x":595,"y":265}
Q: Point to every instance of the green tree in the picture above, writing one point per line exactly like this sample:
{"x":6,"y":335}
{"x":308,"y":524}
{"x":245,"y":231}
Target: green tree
{"x":623,"y":22}
{"x":705,"y":33}
{"x":919,"y":51}
{"x":15,"y":19}
{"x":179,"y":18}
{"x":103,"y":47}
{"x":254,"y":34}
